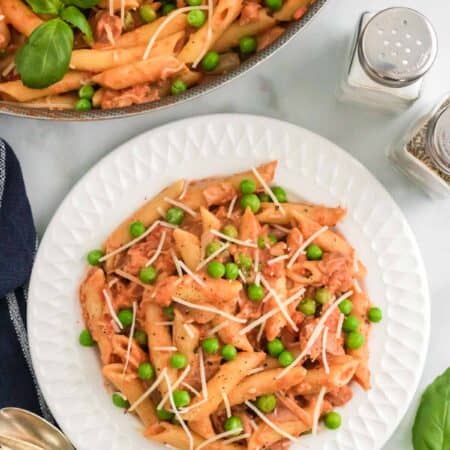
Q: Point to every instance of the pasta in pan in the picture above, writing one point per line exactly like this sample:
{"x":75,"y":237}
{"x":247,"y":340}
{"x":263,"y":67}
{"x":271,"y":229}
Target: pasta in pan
{"x":227,"y":316}
{"x":126,"y":52}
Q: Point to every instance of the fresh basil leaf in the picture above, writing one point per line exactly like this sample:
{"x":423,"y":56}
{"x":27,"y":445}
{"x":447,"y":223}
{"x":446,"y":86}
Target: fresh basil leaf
{"x":50,"y":7}
{"x":45,"y":57}
{"x":82,"y":3}
{"x":431,"y":430}
{"x":76,"y":18}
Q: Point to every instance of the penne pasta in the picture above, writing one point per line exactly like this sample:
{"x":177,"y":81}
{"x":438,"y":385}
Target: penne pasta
{"x":22,"y":18}
{"x":265,"y":436}
{"x":188,"y":246}
{"x":287,"y":11}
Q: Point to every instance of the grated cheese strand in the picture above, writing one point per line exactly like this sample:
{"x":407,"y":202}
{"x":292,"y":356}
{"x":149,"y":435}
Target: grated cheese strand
{"x":234,"y":240}
{"x":9,"y":68}
{"x":280,"y":228}
{"x":237,"y":438}
{"x":280,"y":304}
{"x":271,"y":313}
{"x":305,"y":244}
{"x":115,"y":327}
{"x":218,"y":327}
{"x":208,"y":36}
{"x":256,"y":267}
{"x":277,"y":259}
{"x":315,"y":334}
{"x":131,"y":243}
{"x":253,"y":425}
{"x":122,"y":12}
{"x":148,"y":391}
{"x":195,"y":277}
{"x":357,"y":286}
{"x":242,"y":276}
{"x":261,"y":331}
{"x":185,"y":188}
{"x":201,"y":362}
{"x":177,"y":414}
{"x":268,"y":190}
{"x":189,"y":331}
{"x":130,"y":339}
{"x":167,"y":225}
{"x":158,"y":250}
{"x":190,"y":211}
{"x":231,"y":206}
{"x":339,"y":325}
{"x":226,"y":402}
{"x":272,"y":425}
{"x":317,"y":409}
{"x":219,"y":436}
{"x":168,"y":19}
{"x":179,"y":380}
{"x":176,"y":261}
{"x":255,"y":370}
{"x":168,"y":322}
{"x":212,"y":256}
{"x":209,"y":309}
{"x":163,"y":349}
{"x":191,"y":388}
{"x":111,"y":7}
{"x":111,"y":309}
{"x":324,"y":350}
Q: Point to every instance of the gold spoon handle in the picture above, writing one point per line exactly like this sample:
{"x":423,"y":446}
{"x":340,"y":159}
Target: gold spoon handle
{"x":13,"y":443}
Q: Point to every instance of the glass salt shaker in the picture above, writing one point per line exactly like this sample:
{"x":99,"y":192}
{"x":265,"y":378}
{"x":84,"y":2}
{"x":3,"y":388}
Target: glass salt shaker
{"x":424,"y":154}
{"x":390,"y":54}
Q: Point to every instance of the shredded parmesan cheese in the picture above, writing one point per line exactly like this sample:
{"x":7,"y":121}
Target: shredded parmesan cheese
{"x":191,"y":388}
{"x":242,"y":276}
{"x":357,"y":286}
{"x":122,"y":12}
{"x":164,"y":349}
{"x":195,"y":277}
{"x":231,"y":206}
{"x":218,"y":327}
{"x":201,"y":362}
{"x":316,"y":333}
{"x":280,"y":304}
{"x":168,"y":19}
{"x":188,"y":330}
{"x":268,"y":190}
{"x":209,"y":309}
{"x":158,"y":250}
{"x":272,"y":425}
{"x":324,"y":350}
{"x":176,"y":261}
{"x":190,"y":211}
{"x":113,"y":282}
{"x":148,"y":391}
{"x":235,"y":241}
{"x":226,"y":402}
{"x":237,"y":438}
{"x":183,"y":192}
{"x":212,"y":256}
{"x":268,"y":295}
{"x":255,"y":370}
{"x":130,"y":339}
{"x":305,"y":244}
{"x":318,"y":409}
{"x":261,"y":331}
{"x":167,"y":225}
{"x":179,"y":380}
{"x":115,"y":327}
{"x":280,"y":228}
{"x":219,"y":436}
{"x":9,"y":68}
{"x":253,"y":425}
{"x":111,"y":309}
{"x":110,"y":35}
{"x":111,"y":7}
{"x":339,"y":326}
{"x":277,"y":259}
{"x":164,"y":323}
{"x":271,"y":313}
{"x":256,"y":261}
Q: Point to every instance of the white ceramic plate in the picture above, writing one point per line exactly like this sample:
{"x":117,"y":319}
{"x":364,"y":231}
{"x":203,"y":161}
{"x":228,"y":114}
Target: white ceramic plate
{"x":309,"y":166}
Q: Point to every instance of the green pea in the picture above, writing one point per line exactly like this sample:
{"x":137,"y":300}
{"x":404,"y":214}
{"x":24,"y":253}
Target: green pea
{"x":278,"y":191}
{"x":93,"y":257}
{"x":250,"y":201}
{"x":178,"y":86}
{"x":285,"y":358}
{"x":119,"y":400}
{"x":196,"y":18}
{"x":229,"y":352}
{"x":247,"y":45}
{"x":85,"y":339}
{"x":141,"y":337}
{"x":322,"y":296}
{"x":146,"y":371}
{"x":215,"y":269}
{"x":354,"y":340}
{"x":375,"y":314}
{"x":261,"y":242}
{"x":233,"y":423}
{"x":272,"y":239}
{"x":266,"y":403}
{"x":212,"y":247}
{"x":194,"y":2}
{"x":169,"y":312}
{"x":126,"y":317}
{"x":137,"y":229}
{"x":175,"y":216}
{"x":332,"y":420}
{"x":84,"y":104}
{"x":128,"y":21}
{"x":86,"y":91}
{"x":314,"y":252}
{"x":264,"y":197}
{"x":307,"y":306}
{"x":163,"y":414}
{"x":148,"y":274}
{"x":275,"y":347}
{"x":211,"y":345}
{"x":147,"y":14}
{"x":181,"y":398}
{"x":274,"y":5}
{"x":247,"y":186}
{"x":346,"y":306}
{"x":245,"y":261}
{"x":168,"y":8}
{"x":351,"y":323}
{"x":231,"y":271}
{"x":178,"y":361}
{"x":255,"y":292}
{"x":230,"y":230}
{"x":210,"y":61}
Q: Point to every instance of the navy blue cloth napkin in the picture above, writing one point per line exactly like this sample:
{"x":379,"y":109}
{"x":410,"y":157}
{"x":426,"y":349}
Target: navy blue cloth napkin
{"x":18,"y":386}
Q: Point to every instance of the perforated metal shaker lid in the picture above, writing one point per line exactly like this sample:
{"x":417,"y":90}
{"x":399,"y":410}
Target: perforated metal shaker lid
{"x":397,"y":46}
{"x":438,"y":139}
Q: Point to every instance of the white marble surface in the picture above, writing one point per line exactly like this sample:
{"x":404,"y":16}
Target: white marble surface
{"x":297,"y":84}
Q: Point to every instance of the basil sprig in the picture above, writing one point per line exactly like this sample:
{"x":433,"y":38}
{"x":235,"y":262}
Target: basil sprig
{"x":431,"y":430}
{"x":44,"y":59}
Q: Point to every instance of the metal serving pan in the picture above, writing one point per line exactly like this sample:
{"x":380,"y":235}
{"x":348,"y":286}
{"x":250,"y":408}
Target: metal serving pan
{"x":15,"y":109}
